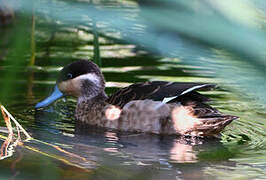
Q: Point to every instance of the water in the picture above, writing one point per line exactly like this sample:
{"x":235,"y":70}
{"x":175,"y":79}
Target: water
{"x":60,"y":150}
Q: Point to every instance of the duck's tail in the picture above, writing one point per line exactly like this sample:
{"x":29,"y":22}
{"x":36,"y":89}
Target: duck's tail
{"x":211,"y":126}
{"x":200,"y":120}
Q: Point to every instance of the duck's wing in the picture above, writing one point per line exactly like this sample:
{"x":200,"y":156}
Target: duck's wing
{"x":158,"y":91}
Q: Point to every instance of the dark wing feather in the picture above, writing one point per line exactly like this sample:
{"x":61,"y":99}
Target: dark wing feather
{"x":157,"y":91}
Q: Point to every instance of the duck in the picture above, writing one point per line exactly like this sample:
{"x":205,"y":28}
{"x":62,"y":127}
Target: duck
{"x":157,"y":107}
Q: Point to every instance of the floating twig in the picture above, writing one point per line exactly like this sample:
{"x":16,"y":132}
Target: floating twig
{"x":7,"y":148}
{"x":3,"y":109}
{"x":7,"y":121}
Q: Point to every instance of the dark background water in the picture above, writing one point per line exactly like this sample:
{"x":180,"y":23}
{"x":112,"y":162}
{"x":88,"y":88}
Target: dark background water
{"x":60,"y":150}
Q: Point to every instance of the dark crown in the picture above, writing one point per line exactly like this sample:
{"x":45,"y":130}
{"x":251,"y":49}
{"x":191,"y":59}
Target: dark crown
{"x":78,"y":68}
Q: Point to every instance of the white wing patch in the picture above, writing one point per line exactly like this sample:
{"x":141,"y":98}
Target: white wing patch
{"x":193,"y":88}
{"x":168,"y":99}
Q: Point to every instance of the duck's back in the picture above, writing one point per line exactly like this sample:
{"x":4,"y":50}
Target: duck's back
{"x":158,"y":91}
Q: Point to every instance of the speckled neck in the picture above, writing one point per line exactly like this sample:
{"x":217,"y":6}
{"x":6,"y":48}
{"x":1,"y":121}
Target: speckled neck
{"x":88,"y":109}
{"x":92,"y":100}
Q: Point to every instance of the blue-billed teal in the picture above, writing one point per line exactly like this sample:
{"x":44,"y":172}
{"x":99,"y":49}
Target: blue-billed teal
{"x":157,"y":107}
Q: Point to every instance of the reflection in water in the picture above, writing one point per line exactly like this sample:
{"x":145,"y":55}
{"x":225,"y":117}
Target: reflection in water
{"x":7,"y":147}
{"x":111,"y":139}
{"x":182,"y":152}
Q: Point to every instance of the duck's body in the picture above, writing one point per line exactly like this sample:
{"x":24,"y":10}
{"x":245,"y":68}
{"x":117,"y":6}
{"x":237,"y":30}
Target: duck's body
{"x":154,"y":107}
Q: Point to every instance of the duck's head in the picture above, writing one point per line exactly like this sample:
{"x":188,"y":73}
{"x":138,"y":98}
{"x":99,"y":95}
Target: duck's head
{"x":82,"y":79}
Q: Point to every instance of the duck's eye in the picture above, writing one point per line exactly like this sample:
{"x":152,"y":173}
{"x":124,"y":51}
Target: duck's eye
{"x":69,"y":76}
